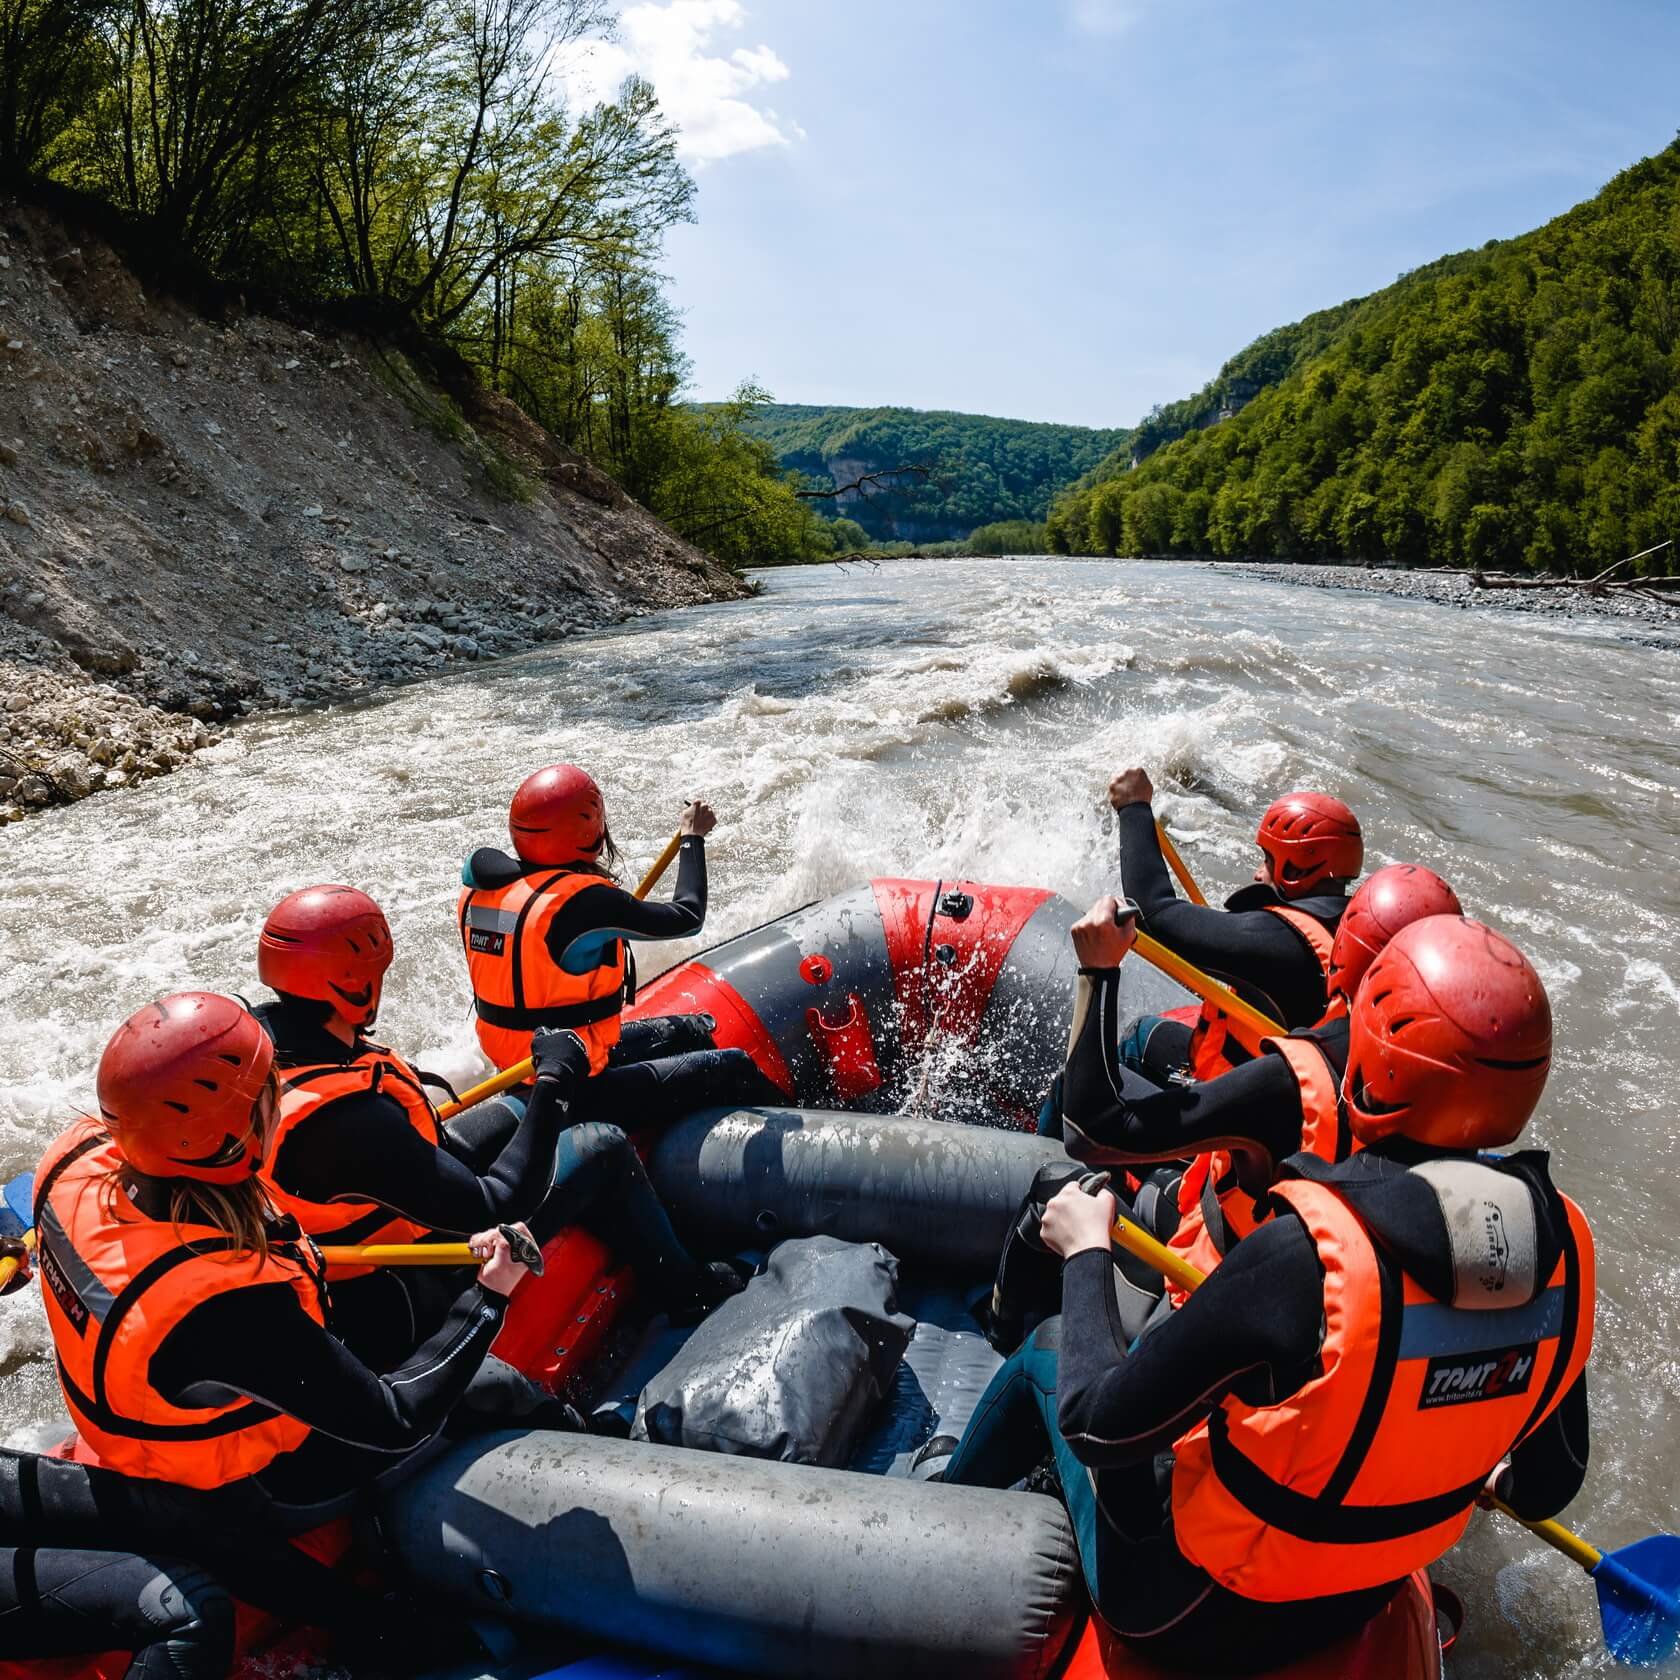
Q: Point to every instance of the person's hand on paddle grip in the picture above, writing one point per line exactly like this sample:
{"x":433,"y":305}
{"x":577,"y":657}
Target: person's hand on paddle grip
{"x":498,"y":1271}
{"x":1100,"y":942}
{"x":698,"y":818}
{"x":1074,"y":1221}
{"x":15,"y":1248}
{"x":1131,"y":787}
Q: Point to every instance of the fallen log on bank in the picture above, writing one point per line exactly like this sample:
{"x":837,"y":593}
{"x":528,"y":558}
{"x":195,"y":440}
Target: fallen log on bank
{"x":1600,"y":584}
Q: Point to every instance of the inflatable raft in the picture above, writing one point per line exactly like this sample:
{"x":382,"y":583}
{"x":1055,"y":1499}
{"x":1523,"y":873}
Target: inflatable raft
{"x":602,"y":1558}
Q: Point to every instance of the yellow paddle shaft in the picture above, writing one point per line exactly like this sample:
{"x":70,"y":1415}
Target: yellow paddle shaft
{"x":521,"y":1071}
{"x":1247,"y":1024}
{"x":402,"y":1254}
{"x":1558,"y":1537}
{"x":1178,"y":1270}
{"x":1172,"y":1266}
{"x":1177,"y":865}
{"x":9,"y":1266}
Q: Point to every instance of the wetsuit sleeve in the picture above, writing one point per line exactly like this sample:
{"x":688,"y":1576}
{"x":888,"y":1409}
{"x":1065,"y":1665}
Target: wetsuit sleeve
{"x":1247,"y":945}
{"x":1547,"y":1470}
{"x":362,"y":1148}
{"x":259,"y":1342}
{"x":1253,"y":1329}
{"x":1110,"y":1113}
{"x":610,"y":910}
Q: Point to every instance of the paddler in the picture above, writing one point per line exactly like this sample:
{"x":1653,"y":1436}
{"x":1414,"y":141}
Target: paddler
{"x":1253,"y":1479}
{"x":358,"y":1154}
{"x":190,"y":1321}
{"x":1271,"y":941}
{"x":1232,"y":1129}
{"x":547,"y":935}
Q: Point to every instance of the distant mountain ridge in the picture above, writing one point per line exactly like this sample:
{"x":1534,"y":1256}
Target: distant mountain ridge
{"x":984,"y":469}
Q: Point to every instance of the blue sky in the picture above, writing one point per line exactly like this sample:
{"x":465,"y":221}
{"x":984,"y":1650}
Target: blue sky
{"x":1072,"y":209}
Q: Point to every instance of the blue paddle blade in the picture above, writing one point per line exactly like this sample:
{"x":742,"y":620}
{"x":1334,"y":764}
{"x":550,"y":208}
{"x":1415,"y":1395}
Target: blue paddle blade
{"x":17,"y":1205}
{"x":1639,"y":1599}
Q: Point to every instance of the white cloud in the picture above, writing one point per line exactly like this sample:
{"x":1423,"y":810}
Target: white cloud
{"x":708,"y":95}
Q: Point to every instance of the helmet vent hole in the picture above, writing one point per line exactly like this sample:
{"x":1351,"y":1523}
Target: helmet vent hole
{"x":1513,"y":1067}
{"x":208,"y":1084}
{"x":180,"y":1108}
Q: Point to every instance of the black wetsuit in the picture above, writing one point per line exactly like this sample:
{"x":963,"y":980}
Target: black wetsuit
{"x":524,"y":1155}
{"x":1107,"y":1406}
{"x":1113,"y":1116}
{"x":661,"y":1068}
{"x":94,"y":1561}
{"x":1258,"y":954}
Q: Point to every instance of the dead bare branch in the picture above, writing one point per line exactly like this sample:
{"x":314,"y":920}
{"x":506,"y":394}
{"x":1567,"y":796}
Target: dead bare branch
{"x":862,"y":483}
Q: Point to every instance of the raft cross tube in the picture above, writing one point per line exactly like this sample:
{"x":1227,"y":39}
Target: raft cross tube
{"x":753,"y":1566}
{"x":931,"y":1192}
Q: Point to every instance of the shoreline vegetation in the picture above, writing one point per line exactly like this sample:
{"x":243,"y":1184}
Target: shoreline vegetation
{"x":1517,"y":404}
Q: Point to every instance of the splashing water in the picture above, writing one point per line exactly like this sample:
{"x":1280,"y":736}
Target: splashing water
{"x":962,"y":720}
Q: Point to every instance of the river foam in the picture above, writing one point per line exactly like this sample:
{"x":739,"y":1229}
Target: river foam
{"x":962,"y":720}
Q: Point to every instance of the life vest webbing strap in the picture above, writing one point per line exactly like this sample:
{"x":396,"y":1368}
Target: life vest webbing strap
{"x":1566,"y":1337}
{"x":557,"y":1015}
{"x":113,"y":1423}
{"x":44,"y":1188}
{"x":360,"y":1229}
{"x":516,"y":945}
{"x":1217,"y":1226}
{"x":1391,"y":1316}
{"x":309,"y":1076}
{"x":137,"y":1286}
{"x":1318,"y":1518}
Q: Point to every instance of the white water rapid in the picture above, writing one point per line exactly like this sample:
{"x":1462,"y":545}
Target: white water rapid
{"x":962,"y":720}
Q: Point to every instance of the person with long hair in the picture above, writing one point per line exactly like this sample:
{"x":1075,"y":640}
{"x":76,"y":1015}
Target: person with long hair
{"x":191,"y":1322}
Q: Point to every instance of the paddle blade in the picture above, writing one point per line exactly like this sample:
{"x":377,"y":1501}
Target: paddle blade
{"x":17,"y":1205}
{"x":1639,"y":1599}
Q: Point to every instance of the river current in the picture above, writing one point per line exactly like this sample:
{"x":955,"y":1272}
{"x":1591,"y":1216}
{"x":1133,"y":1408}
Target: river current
{"x":962,"y":719}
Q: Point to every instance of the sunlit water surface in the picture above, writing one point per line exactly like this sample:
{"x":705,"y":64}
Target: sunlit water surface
{"x":962,"y":720}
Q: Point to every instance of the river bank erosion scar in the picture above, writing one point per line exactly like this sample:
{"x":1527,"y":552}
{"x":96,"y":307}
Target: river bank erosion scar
{"x":205,"y":519}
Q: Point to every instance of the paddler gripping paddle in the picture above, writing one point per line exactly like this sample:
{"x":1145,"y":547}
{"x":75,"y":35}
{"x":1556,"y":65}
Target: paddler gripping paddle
{"x":521,"y":1071}
{"x":1638,"y":1585}
{"x":1247,"y":1024}
{"x":525,"y":1248}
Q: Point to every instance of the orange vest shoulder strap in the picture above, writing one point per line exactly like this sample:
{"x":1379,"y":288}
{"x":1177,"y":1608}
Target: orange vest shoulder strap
{"x":1324,"y":1125}
{"x":1318,"y":937}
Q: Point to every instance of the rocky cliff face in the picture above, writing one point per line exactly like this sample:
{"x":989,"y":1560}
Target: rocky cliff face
{"x":208,"y":518}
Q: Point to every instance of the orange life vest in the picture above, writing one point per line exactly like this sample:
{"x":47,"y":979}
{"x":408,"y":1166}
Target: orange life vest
{"x":115,"y":1283}
{"x":1214,"y":1210}
{"x":306,"y":1089}
{"x":1370,"y":1470}
{"x":517,"y":986}
{"x":1208,"y":1056}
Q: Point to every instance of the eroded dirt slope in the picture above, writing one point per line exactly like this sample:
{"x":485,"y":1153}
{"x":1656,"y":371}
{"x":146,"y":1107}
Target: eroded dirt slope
{"x":207,"y":518}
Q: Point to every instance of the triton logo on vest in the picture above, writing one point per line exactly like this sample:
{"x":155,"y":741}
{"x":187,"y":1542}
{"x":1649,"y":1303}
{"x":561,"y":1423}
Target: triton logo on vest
{"x":73,"y":1306}
{"x":1454,"y":1379}
{"x":486,"y":943}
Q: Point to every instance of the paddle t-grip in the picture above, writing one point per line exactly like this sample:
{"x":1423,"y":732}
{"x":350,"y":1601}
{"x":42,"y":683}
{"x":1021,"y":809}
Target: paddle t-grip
{"x":524,"y":1246}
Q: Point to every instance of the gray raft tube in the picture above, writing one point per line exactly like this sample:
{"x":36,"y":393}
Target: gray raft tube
{"x":760,"y":1567}
{"x":933,"y":1193}
{"x":751,"y":1566}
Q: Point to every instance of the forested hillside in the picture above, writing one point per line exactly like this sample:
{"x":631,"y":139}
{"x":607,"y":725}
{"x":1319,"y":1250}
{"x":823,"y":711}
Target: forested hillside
{"x":1514,"y":405}
{"x":411,"y":168}
{"x":982,"y":470}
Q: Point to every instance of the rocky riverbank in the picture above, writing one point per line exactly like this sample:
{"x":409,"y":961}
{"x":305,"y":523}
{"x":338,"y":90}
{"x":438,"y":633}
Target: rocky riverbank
{"x":1648,"y":621}
{"x":209,"y":518}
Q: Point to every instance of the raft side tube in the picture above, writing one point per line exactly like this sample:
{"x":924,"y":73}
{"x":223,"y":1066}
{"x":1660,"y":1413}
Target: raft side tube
{"x":931,"y":1192}
{"x":756,"y":1567}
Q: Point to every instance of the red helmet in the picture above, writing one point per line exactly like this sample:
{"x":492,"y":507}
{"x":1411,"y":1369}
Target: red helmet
{"x":1450,"y":1038}
{"x":178,"y":1088}
{"x":328,"y":943}
{"x":558,"y":817}
{"x":1309,"y":838}
{"x":1393,"y":898}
